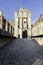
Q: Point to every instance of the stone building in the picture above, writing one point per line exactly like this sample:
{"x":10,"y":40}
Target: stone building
{"x":1,"y":20}
{"x":22,"y":26}
{"x":5,"y":27}
{"x":37,"y":30}
{"x":38,"y":27}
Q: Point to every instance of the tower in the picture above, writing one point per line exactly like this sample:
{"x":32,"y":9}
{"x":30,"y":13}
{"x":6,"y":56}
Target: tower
{"x":23,"y":23}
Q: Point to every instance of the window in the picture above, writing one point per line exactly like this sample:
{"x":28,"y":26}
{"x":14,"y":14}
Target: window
{"x":18,"y":22}
{"x":3,"y":25}
{"x":8,"y":27}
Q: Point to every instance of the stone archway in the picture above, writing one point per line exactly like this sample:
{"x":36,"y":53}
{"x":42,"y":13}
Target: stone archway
{"x":24,"y":34}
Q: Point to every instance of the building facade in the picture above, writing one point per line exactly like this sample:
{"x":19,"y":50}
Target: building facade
{"x":37,"y":30}
{"x":5,"y":27}
{"x":38,"y":27}
{"x":22,"y":26}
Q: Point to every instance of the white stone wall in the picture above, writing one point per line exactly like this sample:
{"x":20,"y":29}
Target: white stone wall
{"x":23,"y":16}
{"x":20,"y":33}
{"x":0,"y":25}
{"x":37,"y":30}
{"x":20,"y":23}
{"x":16,"y":29}
{"x":1,"y":21}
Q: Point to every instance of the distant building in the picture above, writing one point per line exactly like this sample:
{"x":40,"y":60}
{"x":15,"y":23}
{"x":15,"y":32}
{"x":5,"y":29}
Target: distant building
{"x":22,"y":23}
{"x":21,"y":27}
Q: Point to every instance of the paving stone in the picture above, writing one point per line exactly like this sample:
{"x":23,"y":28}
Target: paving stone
{"x":19,"y":52}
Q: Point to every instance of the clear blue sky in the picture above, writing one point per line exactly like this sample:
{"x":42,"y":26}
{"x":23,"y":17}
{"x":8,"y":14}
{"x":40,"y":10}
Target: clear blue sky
{"x":9,"y":6}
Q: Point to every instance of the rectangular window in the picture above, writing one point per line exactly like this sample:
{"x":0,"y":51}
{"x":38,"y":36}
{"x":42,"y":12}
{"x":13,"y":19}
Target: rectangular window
{"x":18,"y":22}
{"x":8,"y":27}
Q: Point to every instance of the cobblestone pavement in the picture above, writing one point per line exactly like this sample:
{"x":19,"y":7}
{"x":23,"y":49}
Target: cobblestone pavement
{"x":19,"y":52}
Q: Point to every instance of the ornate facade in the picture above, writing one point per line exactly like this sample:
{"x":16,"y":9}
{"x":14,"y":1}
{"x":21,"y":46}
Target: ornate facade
{"x":22,"y":23}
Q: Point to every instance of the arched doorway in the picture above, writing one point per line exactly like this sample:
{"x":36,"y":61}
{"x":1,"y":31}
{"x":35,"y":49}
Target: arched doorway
{"x":24,"y":34}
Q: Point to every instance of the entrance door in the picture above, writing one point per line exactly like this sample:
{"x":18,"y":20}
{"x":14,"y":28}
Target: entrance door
{"x":24,"y":34}
{"x":18,"y":36}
